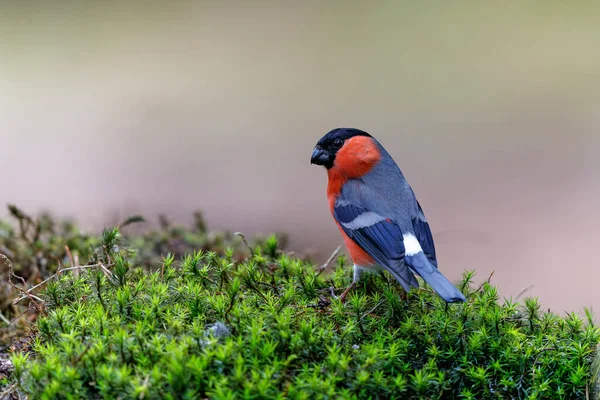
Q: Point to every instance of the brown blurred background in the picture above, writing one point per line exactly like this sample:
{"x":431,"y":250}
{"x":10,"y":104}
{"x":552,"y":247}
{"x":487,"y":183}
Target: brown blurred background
{"x":491,"y":110}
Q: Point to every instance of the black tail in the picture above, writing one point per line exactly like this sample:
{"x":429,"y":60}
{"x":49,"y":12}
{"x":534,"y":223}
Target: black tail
{"x":402,"y":274}
{"x":422,"y":266}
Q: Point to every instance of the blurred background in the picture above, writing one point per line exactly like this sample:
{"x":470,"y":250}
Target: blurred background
{"x":491,"y":110}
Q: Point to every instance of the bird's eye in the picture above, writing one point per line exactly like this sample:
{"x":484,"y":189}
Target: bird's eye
{"x":337,"y":143}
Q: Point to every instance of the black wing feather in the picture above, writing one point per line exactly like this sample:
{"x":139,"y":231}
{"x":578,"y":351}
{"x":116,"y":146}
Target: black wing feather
{"x":383,"y":241}
{"x":384,"y":237}
{"x":424,"y":236}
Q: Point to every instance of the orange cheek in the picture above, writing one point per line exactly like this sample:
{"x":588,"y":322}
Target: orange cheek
{"x":357,"y":157}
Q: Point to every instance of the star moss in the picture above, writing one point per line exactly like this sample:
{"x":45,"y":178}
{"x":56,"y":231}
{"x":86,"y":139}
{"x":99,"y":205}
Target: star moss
{"x":211,"y":325}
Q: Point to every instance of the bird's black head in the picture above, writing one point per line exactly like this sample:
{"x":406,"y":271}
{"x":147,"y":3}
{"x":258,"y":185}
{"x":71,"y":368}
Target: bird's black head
{"x":328,"y":146}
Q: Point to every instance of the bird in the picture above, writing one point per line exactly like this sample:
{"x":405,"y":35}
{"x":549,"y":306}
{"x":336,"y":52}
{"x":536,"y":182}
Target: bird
{"x":377,"y":213}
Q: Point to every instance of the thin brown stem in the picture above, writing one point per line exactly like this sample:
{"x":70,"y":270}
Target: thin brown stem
{"x":329,"y":260}
{"x":240,"y":234}
{"x":27,"y":293}
{"x":373,"y":309}
{"x":72,"y":261}
{"x":486,"y":281}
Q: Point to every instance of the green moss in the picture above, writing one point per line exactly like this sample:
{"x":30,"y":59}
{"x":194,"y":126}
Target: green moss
{"x":185,"y":313}
{"x":208,"y":325}
{"x":37,"y":246}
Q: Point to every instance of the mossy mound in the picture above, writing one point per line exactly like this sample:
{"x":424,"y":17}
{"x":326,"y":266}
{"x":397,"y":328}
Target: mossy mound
{"x":38,"y":246}
{"x":210,"y":326}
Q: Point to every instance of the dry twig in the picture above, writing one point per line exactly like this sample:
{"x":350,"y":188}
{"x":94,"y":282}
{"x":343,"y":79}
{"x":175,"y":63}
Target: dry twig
{"x":373,"y":309}
{"x":522,"y":292}
{"x":329,"y":260}
{"x":11,"y":274}
{"x":240,"y":234}
{"x":27,"y":293}
{"x":72,"y":261}
{"x":486,"y":281}
{"x":9,"y":391}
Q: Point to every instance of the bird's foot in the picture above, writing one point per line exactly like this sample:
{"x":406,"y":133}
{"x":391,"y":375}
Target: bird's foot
{"x":404,"y":295}
{"x":332,"y":291}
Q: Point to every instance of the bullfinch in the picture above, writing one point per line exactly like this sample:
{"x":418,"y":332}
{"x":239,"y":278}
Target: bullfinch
{"x":381,"y":221}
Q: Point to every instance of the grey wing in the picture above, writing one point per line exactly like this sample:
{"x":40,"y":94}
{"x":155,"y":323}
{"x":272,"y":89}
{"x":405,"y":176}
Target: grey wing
{"x":378,"y":236}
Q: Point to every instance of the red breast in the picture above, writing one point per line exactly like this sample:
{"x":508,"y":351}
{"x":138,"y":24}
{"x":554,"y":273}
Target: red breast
{"x":355,"y":159}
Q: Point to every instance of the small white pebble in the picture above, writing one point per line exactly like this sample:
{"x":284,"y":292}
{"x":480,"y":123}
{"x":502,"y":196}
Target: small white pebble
{"x":218,"y":330}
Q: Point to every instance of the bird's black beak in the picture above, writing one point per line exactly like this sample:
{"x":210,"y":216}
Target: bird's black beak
{"x":319,"y":156}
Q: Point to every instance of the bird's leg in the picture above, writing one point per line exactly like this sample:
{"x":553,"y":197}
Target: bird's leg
{"x":357,"y":273}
